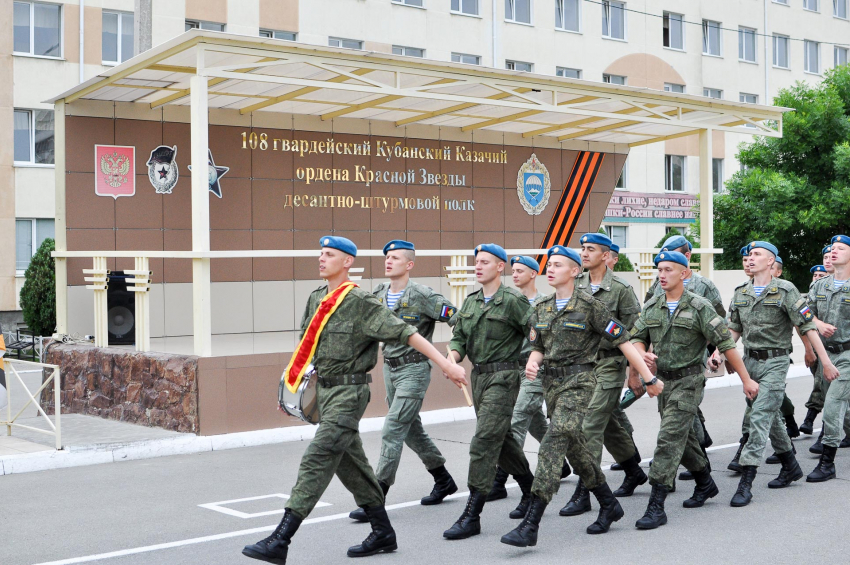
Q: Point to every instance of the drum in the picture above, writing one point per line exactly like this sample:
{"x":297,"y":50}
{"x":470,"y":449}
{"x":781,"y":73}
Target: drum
{"x":303,"y":403}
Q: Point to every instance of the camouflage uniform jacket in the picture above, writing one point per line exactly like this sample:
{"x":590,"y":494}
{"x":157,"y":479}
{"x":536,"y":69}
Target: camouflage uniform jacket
{"x":420,"y":307}
{"x":618,"y":296}
{"x":698,"y":285}
{"x":832,"y":307}
{"x":493,"y":332}
{"x":766,"y":321}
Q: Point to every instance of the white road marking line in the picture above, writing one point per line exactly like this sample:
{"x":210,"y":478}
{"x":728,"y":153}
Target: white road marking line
{"x":220,"y":506}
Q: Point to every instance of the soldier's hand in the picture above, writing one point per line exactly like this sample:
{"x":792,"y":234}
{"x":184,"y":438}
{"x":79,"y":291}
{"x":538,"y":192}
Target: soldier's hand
{"x":824,"y":329}
{"x":810,"y":358}
{"x":751,"y":389}
{"x":531,"y":370}
{"x":714,"y":361}
{"x":634,"y":383}
{"x":830,"y":373}
{"x":649,"y":359}
{"x":655,"y":390}
{"x":729,"y":368}
{"x":457,"y":375}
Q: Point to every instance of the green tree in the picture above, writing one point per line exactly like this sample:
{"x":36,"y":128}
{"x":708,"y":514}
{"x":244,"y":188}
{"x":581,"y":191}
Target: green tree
{"x":793,"y":191}
{"x":671,"y":233}
{"x":38,"y":295}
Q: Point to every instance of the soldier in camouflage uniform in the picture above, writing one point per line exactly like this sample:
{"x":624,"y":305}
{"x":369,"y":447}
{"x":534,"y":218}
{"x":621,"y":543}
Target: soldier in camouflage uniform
{"x":407,"y":374}
{"x":678,"y":325}
{"x":763,"y":312}
{"x":490,"y":330}
{"x":345,"y":352}
{"x":565,"y":330}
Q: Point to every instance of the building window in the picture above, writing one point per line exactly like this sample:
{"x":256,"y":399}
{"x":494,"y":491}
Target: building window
{"x":29,"y":235}
{"x":518,"y":11}
{"x":37,"y":29}
{"x":711,"y":44}
{"x":839,"y":8}
{"x":465,"y":58}
{"x":285,"y":35}
{"x":674,"y":173}
{"x":418,"y":3}
{"x":674,"y":31}
{"x":748,"y":98}
{"x":670,"y":87}
{"x":465,"y":7}
{"x":518,"y":66}
{"x":623,"y":181}
{"x":840,"y":56}
{"x":408,"y":51}
{"x":783,"y":2}
{"x":613,"y":79}
{"x":346,"y":43}
{"x":209,"y":26}
{"x":568,"y":72}
{"x":717,"y":175}
{"x":747,"y":44}
{"x":117,"y":37}
{"x":33,"y":137}
{"x":618,"y":235}
{"x":811,"y":51}
{"x":568,"y":15}
{"x":613,"y":19}
{"x":811,"y":5}
{"x":781,"y":47}
{"x":712,"y":93}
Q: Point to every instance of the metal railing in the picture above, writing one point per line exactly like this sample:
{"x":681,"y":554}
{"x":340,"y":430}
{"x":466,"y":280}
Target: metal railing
{"x":10,"y":422}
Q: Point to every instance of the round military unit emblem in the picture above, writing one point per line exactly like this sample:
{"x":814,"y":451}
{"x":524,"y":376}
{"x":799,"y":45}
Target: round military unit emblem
{"x":162,"y":169}
{"x":533,"y":186}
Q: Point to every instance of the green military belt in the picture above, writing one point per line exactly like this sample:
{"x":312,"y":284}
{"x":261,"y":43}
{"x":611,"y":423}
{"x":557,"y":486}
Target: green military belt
{"x":340,"y":380}
{"x":396,"y":362}
{"x":680,"y":373}
{"x":838,"y":348}
{"x":561,"y":372}
{"x":765,"y":354}
{"x":494,"y":367}
{"x":608,"y":353}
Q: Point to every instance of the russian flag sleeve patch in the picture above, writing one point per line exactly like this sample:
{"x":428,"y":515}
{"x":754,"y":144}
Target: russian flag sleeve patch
{"x":614,"y":329}
{"x":806,"y":314}
{"x":447,"y":312}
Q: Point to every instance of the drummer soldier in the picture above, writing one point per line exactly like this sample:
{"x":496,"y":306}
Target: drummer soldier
{"x":341,"y":328}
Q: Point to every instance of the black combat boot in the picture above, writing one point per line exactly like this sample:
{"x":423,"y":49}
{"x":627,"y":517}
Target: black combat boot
{"x":734,"y":465}
{"x":274,"y":548}
{"x":524,"y":482}
{"x":525,"y":534}
{"x":817,"y":446}
{"x":654,"y":515}
{"x":791,"y":427}
{"x":744,"y":494}
{"x":845,"y":442}
{"x":579,"y":503}
{"x":444,"y":485}
{"x":619,"y":467}
{"x":808,"y":425}
{"x":380,"y":539}
{"x":826,"y":466}
{"x":566,"y":471}
{"x":776,"y":460}
{"x":705,"y":488}
{"x":609,"y":510}
{"x":789,"y":473}
{"x":687,"y":475}
{"x":634,"y":478}
{"x":498,"y":490}
{"x":706,"y":441}
{"x":359,"y":515}
{"x":469,"y":523}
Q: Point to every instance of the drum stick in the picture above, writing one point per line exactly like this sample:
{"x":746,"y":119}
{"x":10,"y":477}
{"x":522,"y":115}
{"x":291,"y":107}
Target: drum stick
{"x":463,"y":387}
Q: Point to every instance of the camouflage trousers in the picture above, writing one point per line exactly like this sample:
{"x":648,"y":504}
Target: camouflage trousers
{"x":766,"y":420}
{"x":567,"y":400}
{"x":528,"y":417}
{"x":602,"y":424}
{"x":835,"y":406}
{"x":494,"y":397}
{"x":816,"y":398}
{"x":336,"y":449}
{"x":677,"y":442}
{"x":406,"y":388}
{"x":786,"y":409}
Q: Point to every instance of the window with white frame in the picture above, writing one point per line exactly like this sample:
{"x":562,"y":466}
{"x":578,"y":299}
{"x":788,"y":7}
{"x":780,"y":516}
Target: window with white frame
{"x":29,"y":235}
{"x":674,"y":31}
{"x":408,"y":51}
{"x":811,"y":56}
{"x":670,"y":87}
{"x":712,"y":93}
{"x":466,"y":58}
{"x":198,"y":24}
{"x":711,"y":38}
{"x":613,"y":79}
{"x":781,"y":51}
{"x":469,"y":7}
{"x":116,"y":37}
{"x":674,"y":173}
{"x":783,"y":2}
{"x":623,"y":181}
{"x":840,"y":55}
{"x":812,"y":5}
{"x":613,"y":19}
{"x":717,"y":175}
{"x":747,"y":44}
{"x":618,"y":235}
{"x":37,"y":29}
{"x":518,"y":11}
{"x":839,"y":8}
{"x":345,"y":43}
{"x":518,"y":66}
{"x":568,"y":15}
{"x":418,"y":3}
{"x":273,"y":34}
{"x":568,"y":72}
{"x":748,"y":98}
{"x":33,"y":137}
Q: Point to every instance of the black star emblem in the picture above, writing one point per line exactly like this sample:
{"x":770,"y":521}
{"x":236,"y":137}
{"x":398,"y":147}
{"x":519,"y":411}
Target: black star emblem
{"x":215,"y":173}
{"x":163,"y":172}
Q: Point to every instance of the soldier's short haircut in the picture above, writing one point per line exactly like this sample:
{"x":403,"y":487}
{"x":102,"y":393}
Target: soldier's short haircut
{"x":684,"y":249}
{"x":409,"y":254}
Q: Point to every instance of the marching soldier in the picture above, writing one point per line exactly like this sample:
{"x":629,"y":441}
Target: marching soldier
{"x":407,"y":374}
{"x":613,"y":256}
{"x":763,"y":312}
{"x":565,"y":329}
{"x":677,"y":325}
{"x":341,"y":328}
{"x":818,"y":272}
{"x":601,"y":424}
{"x":490,"y":330}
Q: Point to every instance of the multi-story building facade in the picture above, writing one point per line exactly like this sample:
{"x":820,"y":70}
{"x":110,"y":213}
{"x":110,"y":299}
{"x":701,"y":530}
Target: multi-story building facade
{"x":744,"y":51}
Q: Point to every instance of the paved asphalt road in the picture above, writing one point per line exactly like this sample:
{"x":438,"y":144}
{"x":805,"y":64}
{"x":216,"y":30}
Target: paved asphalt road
{"x":151,"y":511}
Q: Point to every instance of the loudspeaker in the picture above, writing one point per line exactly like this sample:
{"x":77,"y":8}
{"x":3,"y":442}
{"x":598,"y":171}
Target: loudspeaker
{"x":121,"y":310}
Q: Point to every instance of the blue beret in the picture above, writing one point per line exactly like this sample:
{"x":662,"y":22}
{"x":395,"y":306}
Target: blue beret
{"x":615,"y":248}
{"x":763,"y":245}
{"x":342,"y":243}
{"x":675,"y":242}
{"x":826,"y":250}
{"x":527,"y":261}
{"x":745,"y":250}
{"x":566,"y":252}
{"x":397,"y":244}
{"x":779,"y":260}
{"x":673,"y":256}
{"x":840,"y":239}
{"x":817,"y":269}
{"x":492,"y":249}
{"x":598,"y":238}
